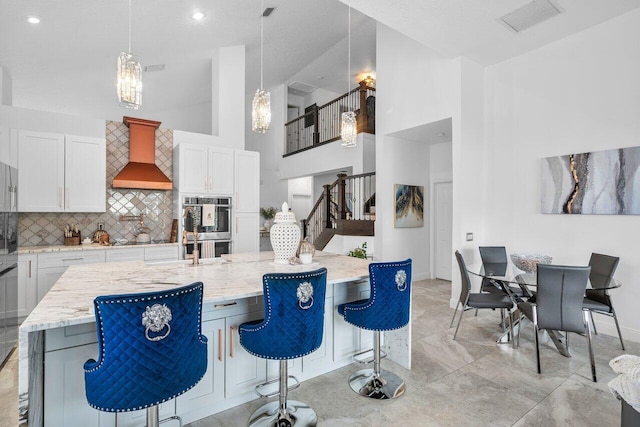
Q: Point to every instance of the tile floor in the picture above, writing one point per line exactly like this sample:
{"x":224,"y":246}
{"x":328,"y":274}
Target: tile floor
{"x":471,"y":381}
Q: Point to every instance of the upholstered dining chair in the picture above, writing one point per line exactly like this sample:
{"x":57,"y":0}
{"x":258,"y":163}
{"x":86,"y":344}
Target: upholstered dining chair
{"x":597,"y":298}
{"x":558,"y":305}
{"x":469,"y":300}
{"x":495,"y":257}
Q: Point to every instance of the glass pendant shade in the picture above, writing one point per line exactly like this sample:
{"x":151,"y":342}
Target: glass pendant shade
{"x":261,"y":111}
{"x":349,"y":129}
{"x":129,"y":81}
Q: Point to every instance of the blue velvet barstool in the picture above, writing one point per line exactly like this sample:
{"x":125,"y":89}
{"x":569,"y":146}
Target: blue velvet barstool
{"x":292,"y":327}
{"x":386,"y":309}
{"x":150,"y":350}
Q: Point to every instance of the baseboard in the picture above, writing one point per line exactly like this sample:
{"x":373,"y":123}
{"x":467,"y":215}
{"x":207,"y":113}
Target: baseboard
{"x":606,"y":325}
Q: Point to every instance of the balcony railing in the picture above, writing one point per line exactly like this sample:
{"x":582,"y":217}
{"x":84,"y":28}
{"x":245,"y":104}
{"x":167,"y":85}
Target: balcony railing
{"x":322,"y":124}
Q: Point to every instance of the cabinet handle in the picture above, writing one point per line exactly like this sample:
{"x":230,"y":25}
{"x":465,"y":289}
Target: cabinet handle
{"x":29,"y":268}
{"x":220,"y":345}
{"x":60,"y":197}
{"x":231,"y":341}
{"x":226,"y":304}
{"x":72,"y":259}
{"x":206,"y":183}
{"x":210,"y":183}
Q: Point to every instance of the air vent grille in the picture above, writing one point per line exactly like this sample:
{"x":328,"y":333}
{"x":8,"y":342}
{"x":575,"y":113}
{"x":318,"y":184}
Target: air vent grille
{"x":302,"y":87}
{"x":530,"y":14}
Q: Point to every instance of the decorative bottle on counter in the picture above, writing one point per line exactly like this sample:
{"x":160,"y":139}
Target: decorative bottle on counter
{"x":285,"y":235}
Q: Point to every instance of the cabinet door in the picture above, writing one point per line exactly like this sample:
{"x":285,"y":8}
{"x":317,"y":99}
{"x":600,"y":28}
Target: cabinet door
{"x":246,"y":234}
{"x":247,"y":181}
{"x":27,"y":283}
{"x":193,"y":164}
{"x":346,"y":337}
{"x":320,"y":361}
{"x":139,"y":418}
{"x":47,"y":277}
{"x":124,"y":254}
{"x":220,"y":171}
{"x":243,"y":370}
{"x":209,"y":392}
{"x":65,"y":403}
{"x":85,"y":174}
{"x":40,"y":172}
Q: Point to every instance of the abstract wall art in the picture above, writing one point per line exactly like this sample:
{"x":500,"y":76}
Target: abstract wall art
{"x":602,"y":182}
{"x":409,"y":206}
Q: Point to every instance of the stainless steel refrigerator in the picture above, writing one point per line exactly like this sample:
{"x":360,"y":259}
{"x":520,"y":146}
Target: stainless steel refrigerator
{"x":9,"y":316}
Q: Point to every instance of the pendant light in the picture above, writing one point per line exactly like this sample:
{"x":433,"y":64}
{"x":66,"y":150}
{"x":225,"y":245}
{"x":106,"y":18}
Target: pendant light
{"x":348,"y":123}
{"x":261,"y":106}
{"x":129,"y":76}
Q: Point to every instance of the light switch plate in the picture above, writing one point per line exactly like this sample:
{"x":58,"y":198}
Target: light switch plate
{"x":469,"y":237}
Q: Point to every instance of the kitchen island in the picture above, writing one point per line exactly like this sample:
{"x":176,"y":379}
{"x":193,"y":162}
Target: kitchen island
{"x":59,"y":335}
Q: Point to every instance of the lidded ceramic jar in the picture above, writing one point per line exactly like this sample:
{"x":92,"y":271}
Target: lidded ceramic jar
{"x":285,"y":235}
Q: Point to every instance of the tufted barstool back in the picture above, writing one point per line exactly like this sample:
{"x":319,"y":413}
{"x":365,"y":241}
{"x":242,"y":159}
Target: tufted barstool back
{"x":150,"y":350}
{"x":387,"y":308}
{"x":292,"y":327}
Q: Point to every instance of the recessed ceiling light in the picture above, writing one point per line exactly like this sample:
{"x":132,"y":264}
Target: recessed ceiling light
{"x":33,"y":20}
{"x":198,"y":16}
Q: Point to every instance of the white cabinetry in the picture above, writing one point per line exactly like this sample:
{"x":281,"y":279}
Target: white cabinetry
{"x":204,"y":170}
{"x":61,"y":173}
{"x":346,"y":337}
{"x":246,"y":202}
{"x":52,"y":265}
{"x":64,"y":397}
{"x":243,"y":370}
{"x":27,"y":283}
{"x":209,"y":392}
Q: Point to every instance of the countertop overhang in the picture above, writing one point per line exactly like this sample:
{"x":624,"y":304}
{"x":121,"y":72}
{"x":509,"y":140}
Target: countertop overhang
{"x":70,"y":300}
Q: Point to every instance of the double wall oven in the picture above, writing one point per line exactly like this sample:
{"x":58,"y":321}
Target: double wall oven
{"x":211,"y":217}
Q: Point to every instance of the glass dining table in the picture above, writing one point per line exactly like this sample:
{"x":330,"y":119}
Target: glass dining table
{"x":507,"y":276}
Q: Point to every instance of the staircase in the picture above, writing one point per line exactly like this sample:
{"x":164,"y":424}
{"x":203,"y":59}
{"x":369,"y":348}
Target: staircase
{"x":346,"y":207}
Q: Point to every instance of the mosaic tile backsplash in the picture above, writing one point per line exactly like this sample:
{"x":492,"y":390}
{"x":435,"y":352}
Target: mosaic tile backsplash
{"x":36,"y":228}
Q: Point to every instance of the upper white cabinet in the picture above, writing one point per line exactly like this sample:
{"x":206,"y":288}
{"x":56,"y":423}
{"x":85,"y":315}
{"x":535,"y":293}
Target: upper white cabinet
{"x":61,"y":173}
{"x":247,"y":181}
{"x":204,"y":170}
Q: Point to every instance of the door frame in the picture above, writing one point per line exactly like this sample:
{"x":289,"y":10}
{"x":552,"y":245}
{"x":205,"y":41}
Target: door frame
{"x":441,"y":178}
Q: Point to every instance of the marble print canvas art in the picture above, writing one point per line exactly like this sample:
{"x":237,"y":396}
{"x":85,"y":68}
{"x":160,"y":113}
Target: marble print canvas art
{"x":409,"y":206}
{"x":603,"y":182}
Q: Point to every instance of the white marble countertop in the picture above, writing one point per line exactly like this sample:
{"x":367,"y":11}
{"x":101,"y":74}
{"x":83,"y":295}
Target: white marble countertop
{"x":92,"y":246}
{"x":70,"y":300}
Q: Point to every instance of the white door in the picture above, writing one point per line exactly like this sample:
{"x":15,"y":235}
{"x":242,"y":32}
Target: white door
{"x":301,"y":205}
{"x":443,"y":225}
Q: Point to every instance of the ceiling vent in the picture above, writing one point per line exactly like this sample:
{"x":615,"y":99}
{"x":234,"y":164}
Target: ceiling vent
{"x":302,"y":87}
{"x":268,"y":11}
{"x":152,"y":68}
{"x":530,"y":14}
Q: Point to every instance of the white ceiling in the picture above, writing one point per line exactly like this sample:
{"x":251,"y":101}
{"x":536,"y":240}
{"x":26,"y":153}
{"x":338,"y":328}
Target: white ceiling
{"x":67,"y":62}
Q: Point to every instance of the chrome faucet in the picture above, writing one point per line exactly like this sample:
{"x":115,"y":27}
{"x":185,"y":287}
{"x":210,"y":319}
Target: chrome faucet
{"x":196,"y":253}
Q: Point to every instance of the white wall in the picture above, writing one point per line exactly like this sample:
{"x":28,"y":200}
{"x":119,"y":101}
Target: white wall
{"x":6,"y":87}
{"x":320,"y":97}
{"x":231,"y":96}
{"x":414,"y":87}
{"x":343,"y":244}
{"x":46,"y":121}
{"x":577,"y":95}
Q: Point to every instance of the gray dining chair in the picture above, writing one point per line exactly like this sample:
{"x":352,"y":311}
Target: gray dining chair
{"x":597,"y":298}
{"x":495,"y":257}
{"x":558,"y":305}
{"x":469,"y":300}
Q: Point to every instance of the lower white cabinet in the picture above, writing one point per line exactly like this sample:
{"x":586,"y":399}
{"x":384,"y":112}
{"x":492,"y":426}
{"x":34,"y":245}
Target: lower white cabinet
{"x":139,"y":418}
{"x":65,"y":403}
{"x":52,"y":265}
{"x":243,"y":370}
{"x":209,"y":392}
{"x":27,"y":284}
{"x":347,"y":338}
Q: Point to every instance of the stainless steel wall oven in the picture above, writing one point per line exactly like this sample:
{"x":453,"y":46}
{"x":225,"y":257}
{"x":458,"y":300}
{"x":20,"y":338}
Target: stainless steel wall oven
{"x":210,"y":218}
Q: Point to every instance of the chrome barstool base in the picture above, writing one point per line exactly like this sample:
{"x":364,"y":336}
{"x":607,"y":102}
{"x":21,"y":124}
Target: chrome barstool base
{"x":387,"y":385}
{"x":299,"y":415}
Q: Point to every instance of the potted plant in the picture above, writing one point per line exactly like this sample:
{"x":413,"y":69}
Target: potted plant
{"x":360,"y":252}
{"x":268,"y":214}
